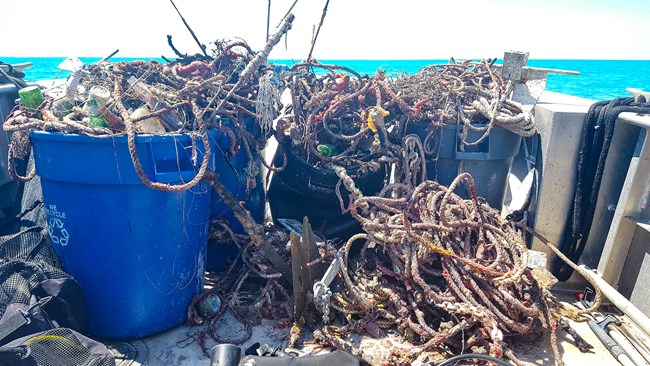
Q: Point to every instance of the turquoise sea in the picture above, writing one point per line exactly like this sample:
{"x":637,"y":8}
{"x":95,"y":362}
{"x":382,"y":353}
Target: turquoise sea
{"x":598,"y":79}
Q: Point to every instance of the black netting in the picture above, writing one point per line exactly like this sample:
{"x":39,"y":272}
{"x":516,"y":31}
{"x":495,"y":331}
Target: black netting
{"x":63,"y":347}
{"x":19,"y":278}
{"x":31,"y":244}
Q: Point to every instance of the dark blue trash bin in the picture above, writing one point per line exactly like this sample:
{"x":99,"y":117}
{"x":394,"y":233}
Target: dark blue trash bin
{"x":488,"y":162}
{"x":138,"y":253}
{"x":233,"y":173}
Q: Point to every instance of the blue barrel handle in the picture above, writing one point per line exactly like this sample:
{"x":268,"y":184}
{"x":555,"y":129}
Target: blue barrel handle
{"x":471,"y":155}
{"x":318,"y":188}
{"x":464,"y":155}
{"x":169,"y":169}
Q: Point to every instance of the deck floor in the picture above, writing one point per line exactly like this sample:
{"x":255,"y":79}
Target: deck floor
{"x":179,"y":346}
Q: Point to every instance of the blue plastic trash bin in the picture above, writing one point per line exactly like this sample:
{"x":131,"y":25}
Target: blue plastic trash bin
{"x":233,"y":173}
{"x":488,"y":162}
{"x":138,"y":253}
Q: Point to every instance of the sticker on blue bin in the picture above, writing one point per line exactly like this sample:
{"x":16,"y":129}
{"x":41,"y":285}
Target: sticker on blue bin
{"x":55,"y":226}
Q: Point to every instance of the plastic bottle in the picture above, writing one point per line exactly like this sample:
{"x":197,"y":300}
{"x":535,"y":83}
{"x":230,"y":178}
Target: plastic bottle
{"x":63,"y":103}
{"x":151,"y":125}
{"x":98,"y":97}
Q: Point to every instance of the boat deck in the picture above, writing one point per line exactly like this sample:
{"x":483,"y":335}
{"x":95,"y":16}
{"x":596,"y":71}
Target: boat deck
{"x":180,"y":347}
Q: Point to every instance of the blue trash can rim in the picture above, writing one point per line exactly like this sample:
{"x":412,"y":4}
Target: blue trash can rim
{"x":58,"y":136}
{"x":167,"y":159}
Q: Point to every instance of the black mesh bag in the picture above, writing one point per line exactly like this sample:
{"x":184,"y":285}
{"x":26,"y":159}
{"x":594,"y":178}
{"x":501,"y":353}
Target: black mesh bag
{"x":30,"y":271}
{"x":55,"y":347}
{"x":35,"y":296}
{"x":42,"y":311}
{"x":31,"y":244}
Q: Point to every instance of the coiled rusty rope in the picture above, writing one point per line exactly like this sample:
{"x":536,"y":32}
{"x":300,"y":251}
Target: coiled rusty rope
{"x":130,"y":132}
{"x":339,"y":108}
{"x":21,"y":122}
{"x":469,"y":94}
{"x":356,"y":118}
{"x":447,"y":273}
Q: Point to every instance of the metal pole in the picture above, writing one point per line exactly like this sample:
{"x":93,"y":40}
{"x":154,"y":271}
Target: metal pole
{"x":636,"y":315}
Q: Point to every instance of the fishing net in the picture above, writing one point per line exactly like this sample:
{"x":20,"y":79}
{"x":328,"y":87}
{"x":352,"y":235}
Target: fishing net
{"x":63,"y":347}
{"x":31,"y":244}
{"x":19,"y":279}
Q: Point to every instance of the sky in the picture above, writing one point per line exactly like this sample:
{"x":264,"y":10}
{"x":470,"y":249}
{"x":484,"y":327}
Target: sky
{"x":353,"y":29}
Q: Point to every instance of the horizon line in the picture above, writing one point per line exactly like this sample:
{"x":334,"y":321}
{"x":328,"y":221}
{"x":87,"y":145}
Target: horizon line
{"x":349,"y":59}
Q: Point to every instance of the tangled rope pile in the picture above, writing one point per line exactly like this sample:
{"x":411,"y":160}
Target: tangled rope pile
{"x":250,"y":289}
{"x":188,"y":95}
{"x":470,"y":94}
{"x":446,"y":273}
{"x":349,"y":119}
{"x":335,"y":116}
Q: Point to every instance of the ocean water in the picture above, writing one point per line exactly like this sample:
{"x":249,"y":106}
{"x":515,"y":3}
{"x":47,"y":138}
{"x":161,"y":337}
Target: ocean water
{"x":598,"y":79}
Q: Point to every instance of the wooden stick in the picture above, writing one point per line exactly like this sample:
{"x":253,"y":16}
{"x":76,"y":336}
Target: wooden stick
{"x":201,"y":46}
{"x":109,"y":56}
{"x":290,"y":9}
{"x":176,"y":51}
{"x":254,"y":65}
{"x":254,"y":230}
{"x":322,"y":19}
{"x":268,"y":21}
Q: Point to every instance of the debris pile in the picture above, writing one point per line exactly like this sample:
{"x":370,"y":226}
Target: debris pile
{"x":442,"y":274}
{"x":189,"y":95}
{"x":171,"y":97}
{"x":447,"y":274}
{"x":343,"y":117}
{"x":334,"y":117}
{"x":473,"y":95}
